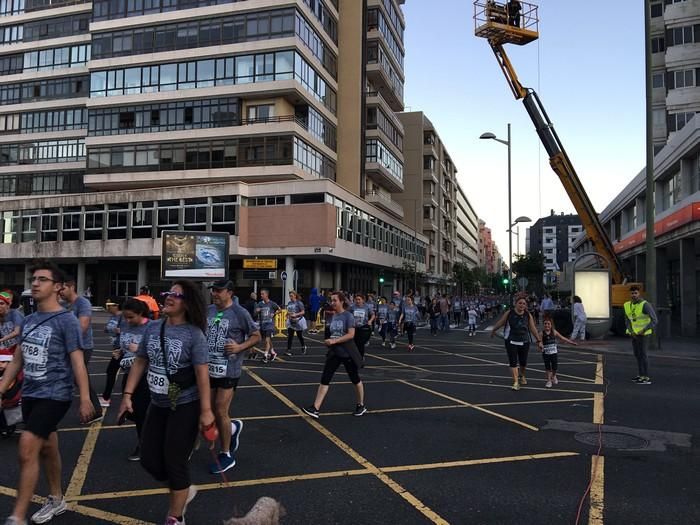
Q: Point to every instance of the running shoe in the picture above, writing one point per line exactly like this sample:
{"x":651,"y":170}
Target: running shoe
{"x":223,"y":463}
{"x":523,"y":381}
{"x":360,"y":410}
{"x":15,"y":521}
{"x":312,"y":411}
{"x":172,"y":520}
{"x":644,"y":380}
{"x":555,"y":381}
{"x":288,"y":353}
{"x":636,"y":379}
{"x":52,"y":508}
{"x":383,"y":344}
{"x":135,"y":455}
{"x":516,"y":386}
{"x":548,"y":384}
{"x":104,"y":402}
{"x":393,"y":345}
{"x":303,"y":350}
{"x":411,"y":347}
{"x":236,"y":429}
{"x":273,"y":356}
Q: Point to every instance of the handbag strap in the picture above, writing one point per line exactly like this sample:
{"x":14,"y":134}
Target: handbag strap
{"x":24,"y":336}
{"x":162,"y":349}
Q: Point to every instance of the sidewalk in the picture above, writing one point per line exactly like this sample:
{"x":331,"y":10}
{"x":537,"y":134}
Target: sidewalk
{"x":675,"y":347}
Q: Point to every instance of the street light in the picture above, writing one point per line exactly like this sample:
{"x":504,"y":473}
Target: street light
{"x":491,"y":136}
{"x":522,"y":218}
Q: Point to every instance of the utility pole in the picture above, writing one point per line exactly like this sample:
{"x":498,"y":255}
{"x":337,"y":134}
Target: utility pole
{"x":650,"y":278}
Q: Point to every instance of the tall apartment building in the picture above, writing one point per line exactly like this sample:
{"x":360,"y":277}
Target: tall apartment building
{"x":434,"y":203}
{"x":124,"y":119}
{"x":489,"y":257}
{"x":554,"y":237}
{"x":675,"y":36}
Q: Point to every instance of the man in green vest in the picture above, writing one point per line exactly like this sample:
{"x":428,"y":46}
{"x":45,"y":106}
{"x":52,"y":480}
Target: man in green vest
{"x":640,"y":319}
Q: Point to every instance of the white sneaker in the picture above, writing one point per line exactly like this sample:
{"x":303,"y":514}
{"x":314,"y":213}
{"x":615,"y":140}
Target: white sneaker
{"x":555,"y":381}
{"x":548,"y":384}
{"x":15,"y":521}
{"x":52,"y":508}
{"x":393,"y":345}
{"x":104,"y":403}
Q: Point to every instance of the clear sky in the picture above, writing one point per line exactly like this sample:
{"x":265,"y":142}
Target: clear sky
{"x":588,"y":68}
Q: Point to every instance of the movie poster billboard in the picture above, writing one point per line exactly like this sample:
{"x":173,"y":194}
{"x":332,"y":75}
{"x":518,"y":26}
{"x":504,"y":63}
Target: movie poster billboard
{"x":194,"y":255}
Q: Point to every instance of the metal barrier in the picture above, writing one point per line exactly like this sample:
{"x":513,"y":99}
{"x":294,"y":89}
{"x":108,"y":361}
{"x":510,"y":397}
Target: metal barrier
{"x":320,"y":321}
{"x":281,"y":323}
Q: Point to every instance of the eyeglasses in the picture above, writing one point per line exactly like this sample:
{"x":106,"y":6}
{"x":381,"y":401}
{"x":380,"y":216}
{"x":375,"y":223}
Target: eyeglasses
{"x":174,"y":295}
{"x":41,"y":279}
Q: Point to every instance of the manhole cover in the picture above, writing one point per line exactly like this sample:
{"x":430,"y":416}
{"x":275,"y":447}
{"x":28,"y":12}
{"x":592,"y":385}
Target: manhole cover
{"x":612,"y":440}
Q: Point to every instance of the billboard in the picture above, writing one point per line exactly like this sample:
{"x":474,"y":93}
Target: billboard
{"x":194,"y":255}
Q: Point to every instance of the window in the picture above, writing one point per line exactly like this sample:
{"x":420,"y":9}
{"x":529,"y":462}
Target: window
{"x":117,"y":220}
{"x":657,"y":80}
{"x":223,"y":214}
{"x":377,"y":152}
{"x":682,"y":79}
{"x":261,"y":113}
{"x":678,"y":36}
{"x":658,"y":45}
{"x":677,"y":121}
{"x":428,"y":162}
{"x":94,"y":222}
{"x":658,"y":117}
{"x":657,"y":10}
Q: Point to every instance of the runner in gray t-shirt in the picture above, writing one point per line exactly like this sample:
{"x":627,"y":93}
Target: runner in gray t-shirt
{"x":266,"y":311}
{"x":10,"y":322}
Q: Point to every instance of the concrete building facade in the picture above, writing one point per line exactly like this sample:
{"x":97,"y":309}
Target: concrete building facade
{"x":554,"y":237}
{"x":675,"y":37}
{"x":194,"y":116}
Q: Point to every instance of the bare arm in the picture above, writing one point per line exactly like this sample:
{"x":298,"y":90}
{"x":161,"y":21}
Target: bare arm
{"x":14,"y":333}
{"x":84,"y":323}
{"x":500,"y":322}
{"x":81,"y":379}
{"x":206,"y":416}
{"x":557,"y":334}
{"x":235,"y":348}
{"x":135,"y":373}
{"x":347,"y":337}
{"x":11,"y":371}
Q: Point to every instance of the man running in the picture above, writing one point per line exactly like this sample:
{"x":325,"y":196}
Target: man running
{"x":82,"y":309}
{"x":51,"y":358}
{"x":231,"y":331}
{"x":266,"y":311}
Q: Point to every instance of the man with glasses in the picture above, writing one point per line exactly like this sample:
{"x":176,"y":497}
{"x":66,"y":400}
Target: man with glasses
{"x":82,"y":309}
{"x":51,"y":358}
{"x":231,"y":332}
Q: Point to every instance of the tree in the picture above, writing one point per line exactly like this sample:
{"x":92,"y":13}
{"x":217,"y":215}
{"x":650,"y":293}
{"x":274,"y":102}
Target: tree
{"x":465,"y":277}
{"x":530,"y":266}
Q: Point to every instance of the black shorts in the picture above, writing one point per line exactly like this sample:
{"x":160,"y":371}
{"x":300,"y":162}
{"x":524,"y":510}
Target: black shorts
{"x":224,"y":382}
{"x":42,"y":416}
{"x":517,"y":354}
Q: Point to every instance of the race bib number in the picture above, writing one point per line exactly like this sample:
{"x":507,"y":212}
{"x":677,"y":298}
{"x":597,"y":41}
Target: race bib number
{"x":157,"y":383}
{"x":34,"y":354}
{"x":127,"y":361}
{"x":550,"y":349}
{"x":218,"y":367}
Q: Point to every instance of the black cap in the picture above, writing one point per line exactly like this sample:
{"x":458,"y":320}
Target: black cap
{"x":221,"y":285}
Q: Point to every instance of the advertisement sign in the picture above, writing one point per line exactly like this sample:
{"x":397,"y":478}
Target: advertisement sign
{"x":194,"y":255}
{"x":259,"y":264}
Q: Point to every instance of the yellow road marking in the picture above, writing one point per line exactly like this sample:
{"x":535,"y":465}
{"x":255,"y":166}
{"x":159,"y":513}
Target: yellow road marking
{"x":329,"y":475}
{"x":378,"y":473}
{"x":542,"y":402}
{"x":81,"y":468}
{"x":598,"y":406}
{"x":475,"y":407}
{"x":597,"y":495}
{"x":495,"y":385}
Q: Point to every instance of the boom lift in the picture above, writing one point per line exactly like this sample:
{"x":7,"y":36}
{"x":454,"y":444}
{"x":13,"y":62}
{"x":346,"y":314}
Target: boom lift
{"x":517,"y":23}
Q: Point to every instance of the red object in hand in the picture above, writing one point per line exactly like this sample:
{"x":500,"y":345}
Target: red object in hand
{"x":211,"y":433}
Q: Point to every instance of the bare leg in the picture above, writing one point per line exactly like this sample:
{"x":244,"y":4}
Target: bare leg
{"x":222,"y":403}
{"x":514,"y":372}
{"x":522,"y":372}
{"x":177,"y":502}
{"x":29,"y":449}
{"x":360,"y":392}
{"x":51,"y":461}
{"x":320,"y":396}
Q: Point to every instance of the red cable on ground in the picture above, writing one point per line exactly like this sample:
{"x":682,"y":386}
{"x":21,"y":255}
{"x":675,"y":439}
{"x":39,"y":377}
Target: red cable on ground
{"x":606,"y":383}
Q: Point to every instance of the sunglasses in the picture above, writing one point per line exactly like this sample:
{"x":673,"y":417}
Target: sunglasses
{"x":174,"y":295}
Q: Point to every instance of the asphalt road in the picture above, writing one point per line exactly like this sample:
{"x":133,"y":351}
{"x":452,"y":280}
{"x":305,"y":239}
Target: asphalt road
{"x":445,"y":440}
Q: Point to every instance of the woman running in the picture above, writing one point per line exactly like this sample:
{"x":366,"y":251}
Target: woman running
{"x":518,"y":322}
{"x":549,"y":350}
{"x":434,"y":313}
{"x":176,"y":354}
{"x":364,"y":317}
{"x":113,"y":328}
{"x":136,"y":314}
{"x":409,"y":318}
{"x":341,"y":350}
{"x":295,"y":322}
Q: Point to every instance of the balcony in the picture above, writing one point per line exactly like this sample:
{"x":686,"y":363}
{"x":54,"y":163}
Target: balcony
{"x":380,"y":174}
{"x":383,"y":200}
{"x":429,"y":175}
{"x":389,"y":87}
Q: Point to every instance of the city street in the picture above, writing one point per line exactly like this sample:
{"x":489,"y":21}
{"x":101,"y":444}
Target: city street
{"x":445,"y":440}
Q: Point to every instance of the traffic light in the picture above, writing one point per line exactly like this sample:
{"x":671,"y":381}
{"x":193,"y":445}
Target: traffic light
{"x":381,"y":278}
{"x":505,"y":280}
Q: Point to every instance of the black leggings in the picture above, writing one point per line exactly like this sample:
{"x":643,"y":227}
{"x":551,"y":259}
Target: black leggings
{"x":332,"y":364}
{"x":166,"y":443}
{"x":290,"y":337}
{"x":140,"y":400}
{"x":112,"y":370}
{"x":550,"y":361}
{"x":517,"y":354}
{"x":409,"y":329}
{"x":362,"y":335}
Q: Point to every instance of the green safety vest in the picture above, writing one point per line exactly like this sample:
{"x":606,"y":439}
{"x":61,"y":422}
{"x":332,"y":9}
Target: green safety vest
{"x":638,"y":319}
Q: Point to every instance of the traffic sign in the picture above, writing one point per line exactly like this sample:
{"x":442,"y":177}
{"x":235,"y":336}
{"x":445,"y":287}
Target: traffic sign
{"x":260,"y":264}
{"x":284,"y":276}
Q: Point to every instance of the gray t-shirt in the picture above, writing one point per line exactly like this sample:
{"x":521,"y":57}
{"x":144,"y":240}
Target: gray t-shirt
{"x":294,"y":307}
{"x":266,"y":311}
{"x":82,"y":308}
{"x":410,"y":314}
{"x":130,"y":334}
{"x":114,"y":322}
{"x":233,"y":323}
{"x":382,"y":309}
{"x":185,"y":346}
{"x":340,"y":325}
{"x":48,"y":373}
{"x":392,"y":315}
{"x":12,"y":320}
{"x":361,"y":314}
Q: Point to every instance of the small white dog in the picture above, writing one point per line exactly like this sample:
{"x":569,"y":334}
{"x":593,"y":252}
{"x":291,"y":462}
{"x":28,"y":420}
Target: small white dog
{"x":266,"y":511}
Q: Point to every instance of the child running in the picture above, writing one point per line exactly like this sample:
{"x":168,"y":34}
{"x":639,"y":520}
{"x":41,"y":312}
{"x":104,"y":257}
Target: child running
{"x":471,"y":314}
{"x":550,"y":352}
{"x":390,"y":327}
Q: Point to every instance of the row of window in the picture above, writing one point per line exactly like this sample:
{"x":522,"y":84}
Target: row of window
{"x":323,"y":14}
{"x":264,"y":67}
{"x":55,"y":88}
{"x":376,"y":20}
{"x":17,"y":7}
{"x":683,"y":79}
{"x":45,"y":59}
{"x":657,"y":9}
{"x":376,"y":118}
{"x":230,"y":153}
{"x":394,"y":17}
{"x":136,"y":220}
{"x":376,"y":55}
{"x":46,"y":28}
{"x":42,"y":152}
{"x":42,"y":183}
{"x":377,"y":152}
{"x":677,"y":121}
{"x":233,"y":29}
{"x":317,"y":125}
{"x":168,"y":116}
{"x":679,"y":36}
{"x":44,"y":121}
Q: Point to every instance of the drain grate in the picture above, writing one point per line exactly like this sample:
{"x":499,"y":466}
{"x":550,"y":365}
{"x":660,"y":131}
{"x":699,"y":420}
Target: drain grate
{"x":614,"y":440}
